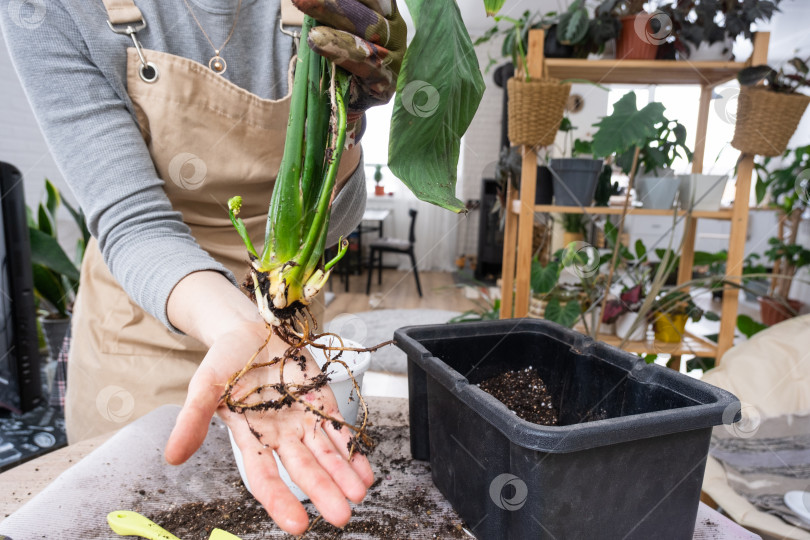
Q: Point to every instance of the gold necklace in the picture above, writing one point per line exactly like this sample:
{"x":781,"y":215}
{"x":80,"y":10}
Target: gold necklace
{"x":217,"y":63}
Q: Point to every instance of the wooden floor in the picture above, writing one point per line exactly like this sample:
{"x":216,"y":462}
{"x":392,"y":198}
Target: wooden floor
{"x":398,"y":291}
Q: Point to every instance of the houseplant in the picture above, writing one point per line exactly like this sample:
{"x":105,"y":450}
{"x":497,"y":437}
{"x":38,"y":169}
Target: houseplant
{"x":56,"y":276}
{"x":769,"y":113}
{"x":641,"y":32}
{"x":656,"y":183}
{"x":777,"y":306}
{"x":669,"y":314}
{"x":705,"y":30}
{"x":575,"y":177}
{"x":379,"y":189}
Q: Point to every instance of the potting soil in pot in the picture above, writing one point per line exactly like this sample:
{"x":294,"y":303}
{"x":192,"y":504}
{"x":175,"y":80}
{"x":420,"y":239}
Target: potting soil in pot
{"x":526,"y":395}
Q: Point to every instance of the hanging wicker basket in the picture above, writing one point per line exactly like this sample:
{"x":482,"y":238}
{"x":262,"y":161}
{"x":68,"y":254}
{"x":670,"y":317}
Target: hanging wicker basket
{"x":766,"y":120}
{"x":536,"y":110}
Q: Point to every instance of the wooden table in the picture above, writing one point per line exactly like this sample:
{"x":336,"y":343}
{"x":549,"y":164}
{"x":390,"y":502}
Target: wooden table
{"x":25,"y":481}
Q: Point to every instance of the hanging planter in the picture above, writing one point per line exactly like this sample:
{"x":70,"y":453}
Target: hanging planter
{"x":535,"y":110}
{"x":768,"y":115}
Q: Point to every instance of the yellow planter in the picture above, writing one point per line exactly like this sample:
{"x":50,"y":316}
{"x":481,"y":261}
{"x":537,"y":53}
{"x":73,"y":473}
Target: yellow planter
{"x":669,"y":328}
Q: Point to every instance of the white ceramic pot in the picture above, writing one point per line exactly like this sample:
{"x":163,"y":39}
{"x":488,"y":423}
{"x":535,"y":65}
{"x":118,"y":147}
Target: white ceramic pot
{"x":342,"y":387}
{"x":658,"y":192}
{"x":720,"y":51}
{"x":625,"y":322}
{"x":702,"y":191}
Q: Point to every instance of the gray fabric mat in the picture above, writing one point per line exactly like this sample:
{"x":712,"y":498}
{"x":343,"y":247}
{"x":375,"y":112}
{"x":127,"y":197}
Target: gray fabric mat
{"x":764,"y":463}
{"x":372,"y":327}
{"x":128,"y":473}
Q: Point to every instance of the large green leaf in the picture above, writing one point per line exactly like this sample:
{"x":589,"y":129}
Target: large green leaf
{"x":438,"y":92}
{"x":627,"y":126}
{"x":749,"y":326}
{"x":573,"y":26}
{"x":45,"y":250}
{"x":564,"y":315}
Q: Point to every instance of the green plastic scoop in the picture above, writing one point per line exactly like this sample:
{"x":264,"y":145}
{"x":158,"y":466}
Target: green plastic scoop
{"x":127,"y":523}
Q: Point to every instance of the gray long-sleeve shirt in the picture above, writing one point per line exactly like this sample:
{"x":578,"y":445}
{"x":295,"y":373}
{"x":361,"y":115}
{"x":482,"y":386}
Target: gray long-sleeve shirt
{"x":73,"y":70}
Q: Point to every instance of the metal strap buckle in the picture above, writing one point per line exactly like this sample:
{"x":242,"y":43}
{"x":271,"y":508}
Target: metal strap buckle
{"x":148,"y":71}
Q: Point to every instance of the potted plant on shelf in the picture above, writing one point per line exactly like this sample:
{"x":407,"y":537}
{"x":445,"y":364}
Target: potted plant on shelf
{"x":777,"y":306}
{"x":756,"y":282}
{"x":643,"y":141}
{"x":669,"y":314}
{"x":56,"y":276}
{"x":656,"y":183}
{"x":705,"y":30}
{"x":768,"y":114}
{"x":574,"y":228}
{"x":575,"y":178}
{"x":641,"y":32}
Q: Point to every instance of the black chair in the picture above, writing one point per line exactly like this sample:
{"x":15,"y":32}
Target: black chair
{"x":393,"y":245}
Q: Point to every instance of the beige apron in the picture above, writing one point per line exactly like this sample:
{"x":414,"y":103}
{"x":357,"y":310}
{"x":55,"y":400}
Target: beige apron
{"x":209,"y":140}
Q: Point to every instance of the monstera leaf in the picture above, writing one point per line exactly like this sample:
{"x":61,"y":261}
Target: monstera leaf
{"x":438,"y":92}
{"x":627,"y":126}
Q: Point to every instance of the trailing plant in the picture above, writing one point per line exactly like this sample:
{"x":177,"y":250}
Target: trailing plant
{"x":288,"y":271}
{"x":785,"y":182}
{"x":712,"y":21}
{"x":791,"y":76}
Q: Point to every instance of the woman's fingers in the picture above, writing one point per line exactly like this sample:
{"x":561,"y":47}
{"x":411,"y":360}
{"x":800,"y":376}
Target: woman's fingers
{"x":313,"y":480}
{"x":189,"y":431}
{"x":263,"y":477}
{"x":341,"y":439}
{"x":335,"y":465}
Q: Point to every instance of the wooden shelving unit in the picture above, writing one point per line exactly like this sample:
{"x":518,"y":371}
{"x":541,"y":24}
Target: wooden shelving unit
{"x":519,"y":221}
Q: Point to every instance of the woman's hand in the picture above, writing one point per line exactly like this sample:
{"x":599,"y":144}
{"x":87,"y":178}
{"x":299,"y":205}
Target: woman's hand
{"x":316,"y":459}
{"x":368,"y":38}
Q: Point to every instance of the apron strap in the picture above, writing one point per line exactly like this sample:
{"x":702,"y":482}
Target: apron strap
{"x":122,"y":11}
{"x":290,"y":15}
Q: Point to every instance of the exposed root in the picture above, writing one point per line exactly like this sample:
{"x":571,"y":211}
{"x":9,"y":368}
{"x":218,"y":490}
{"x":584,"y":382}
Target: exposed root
{"x":296,"y":329}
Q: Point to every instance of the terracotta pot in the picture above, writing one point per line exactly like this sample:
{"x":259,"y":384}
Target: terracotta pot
{"x":637,"y":41}
{"x":379,"y":190}
{"x":669,"y":328}
{"x":774,"y":311}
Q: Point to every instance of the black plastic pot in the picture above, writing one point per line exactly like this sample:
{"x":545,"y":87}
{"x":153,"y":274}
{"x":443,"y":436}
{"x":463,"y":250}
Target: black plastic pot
{"x":577,"y":180}
{"x":635,"y":471}
{"x":545,"y":186}
{"x":553,"y":48}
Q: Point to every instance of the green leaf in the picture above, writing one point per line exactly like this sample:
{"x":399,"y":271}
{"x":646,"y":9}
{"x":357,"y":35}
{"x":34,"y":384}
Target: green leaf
{"x":748,"y":326}
{"x":438,"y":92}
{"x":641,"y":250}
{"x":753,"y":75}
{"x":566,"y":316}
{"x":49,"y":287}
{"x":711,"y":316}
{"x":544,"y":278}
{"x":46,"y":251}
{"x":627,"y":127}
{"x":46,"y":224}
{"x":492,"y":6}
{"x":53,"y":198}
{"x":573,"y":26}
{"x":81,"y":222}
